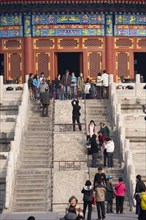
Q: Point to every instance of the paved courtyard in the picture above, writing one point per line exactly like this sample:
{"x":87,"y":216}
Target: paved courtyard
{"x":52,"y":216}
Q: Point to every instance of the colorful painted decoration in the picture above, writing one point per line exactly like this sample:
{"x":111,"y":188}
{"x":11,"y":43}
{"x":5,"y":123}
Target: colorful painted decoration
{"x":109,"y":25}
{"x":130,"y":19}
{"x":130,"y":30}
{"x":10,"y":20}
{"x":68,"y":19}
{"x":11,"y":31}
{"x":68,"y":30}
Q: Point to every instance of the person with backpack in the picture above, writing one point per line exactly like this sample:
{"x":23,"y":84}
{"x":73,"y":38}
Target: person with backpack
{"x":120,"y":189}
{"x":87,"y":199}
{"x":143,"y":203}
{"x":138,"y":189}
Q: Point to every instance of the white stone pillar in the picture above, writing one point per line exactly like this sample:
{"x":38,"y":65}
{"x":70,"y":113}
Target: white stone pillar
{"x":137,"y":86}
{"x":1,"y":89}
{"x":137,"y":78}
{"x":26,"y":78}
{"x":111,"y":79}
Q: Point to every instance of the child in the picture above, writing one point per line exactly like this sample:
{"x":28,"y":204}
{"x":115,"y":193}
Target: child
{"x":87,"y":198}
{"x":143,"y":203}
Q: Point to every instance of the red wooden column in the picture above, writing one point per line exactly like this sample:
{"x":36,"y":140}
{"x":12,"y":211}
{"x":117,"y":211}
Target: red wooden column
{"x":28,"y":56}
{"x":109,"y":54}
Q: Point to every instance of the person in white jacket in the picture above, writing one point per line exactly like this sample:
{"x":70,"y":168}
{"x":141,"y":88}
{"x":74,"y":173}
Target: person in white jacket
{"x":110,"y":147}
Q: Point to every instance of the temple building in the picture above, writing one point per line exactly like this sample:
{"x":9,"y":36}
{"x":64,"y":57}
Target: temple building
{"x":85,"y":36}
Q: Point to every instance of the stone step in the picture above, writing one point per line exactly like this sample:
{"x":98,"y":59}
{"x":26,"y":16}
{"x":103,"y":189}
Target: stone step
{"x":37,"y":140}
{"x":35,"y":199}
{"x":34,"y":161}
{"x":26,"y":185}
{"x":38,"y":145}
{"x":36,"y":156}
{"x":37,"y":133}
{"x":31,"y":208}
{"x":136,"y":139}
{"x":30,"y":194}
{"x":38,"y":127}
{"x":30,"y":190}
{"x":33,"y":179}
{"x":36,"y":165}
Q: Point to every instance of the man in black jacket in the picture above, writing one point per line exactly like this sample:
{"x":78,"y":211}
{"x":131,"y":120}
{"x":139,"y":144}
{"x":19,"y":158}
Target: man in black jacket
{"x":100,"y":176}
{"x":76,"y":114}
{"x":45,"y":100}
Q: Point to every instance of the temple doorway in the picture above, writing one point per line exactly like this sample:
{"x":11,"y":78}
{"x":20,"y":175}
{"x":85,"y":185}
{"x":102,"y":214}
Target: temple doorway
{"x":1,"y":64}
{"x":70,"y":61}
{"x":140,"y":64}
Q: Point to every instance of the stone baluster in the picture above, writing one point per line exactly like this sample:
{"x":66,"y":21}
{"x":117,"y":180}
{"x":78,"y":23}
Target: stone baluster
{"x":1,"y":89}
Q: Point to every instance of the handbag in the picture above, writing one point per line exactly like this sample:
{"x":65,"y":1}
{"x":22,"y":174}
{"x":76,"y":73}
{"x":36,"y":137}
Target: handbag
{"x":94,"y":200}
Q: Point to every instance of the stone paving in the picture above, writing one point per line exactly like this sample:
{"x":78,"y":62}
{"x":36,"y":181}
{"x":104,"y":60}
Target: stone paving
{"x":55,"y":216}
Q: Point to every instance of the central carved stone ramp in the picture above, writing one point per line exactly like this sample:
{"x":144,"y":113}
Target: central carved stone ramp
{"x":33,"y":186}
{"x":70,"y":159}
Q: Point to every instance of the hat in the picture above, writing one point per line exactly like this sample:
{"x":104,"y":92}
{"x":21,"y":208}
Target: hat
{"x":88,"y":183}
{"x":109,"y":177}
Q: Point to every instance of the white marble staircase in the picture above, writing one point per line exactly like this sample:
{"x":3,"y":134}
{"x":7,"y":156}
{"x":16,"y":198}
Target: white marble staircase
{"x":33,"y":185}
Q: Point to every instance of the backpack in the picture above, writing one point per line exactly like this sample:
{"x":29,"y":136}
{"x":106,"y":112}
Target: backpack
{"x":88,"y":196}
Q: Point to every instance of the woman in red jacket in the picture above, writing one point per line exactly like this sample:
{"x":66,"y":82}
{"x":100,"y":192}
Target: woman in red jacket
{"x":120,"y":189}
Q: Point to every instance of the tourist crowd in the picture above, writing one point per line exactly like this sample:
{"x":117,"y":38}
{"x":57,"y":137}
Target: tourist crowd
{"x":69,"y":86}
{"x":98,"y":140}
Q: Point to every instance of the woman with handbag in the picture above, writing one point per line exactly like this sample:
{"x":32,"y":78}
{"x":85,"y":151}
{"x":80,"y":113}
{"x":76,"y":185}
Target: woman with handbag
{"x":120,"y":189}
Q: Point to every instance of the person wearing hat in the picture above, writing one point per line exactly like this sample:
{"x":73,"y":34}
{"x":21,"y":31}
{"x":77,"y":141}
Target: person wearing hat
{"x":45,"y":100}
{"x":87,"y":199}
{"x":109,"y":194}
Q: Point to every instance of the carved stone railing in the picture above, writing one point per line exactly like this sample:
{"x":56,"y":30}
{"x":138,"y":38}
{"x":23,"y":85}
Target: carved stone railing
{"x":1,"y":89}
{"x":14,"y":153}
{"x":70,"y":165}
{"x":138,"y":91}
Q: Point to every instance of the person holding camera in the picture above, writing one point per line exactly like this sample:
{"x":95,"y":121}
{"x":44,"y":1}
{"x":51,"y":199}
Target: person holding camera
{"x":76,"y":114}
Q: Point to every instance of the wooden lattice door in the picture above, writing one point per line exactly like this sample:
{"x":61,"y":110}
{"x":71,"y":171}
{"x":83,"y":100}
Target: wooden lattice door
{"x":14,"y":62}
{"x":42,"y":63}
{"x":94,"y":63}
{"x":122,"y":65}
